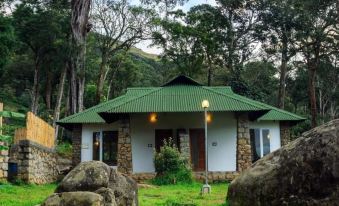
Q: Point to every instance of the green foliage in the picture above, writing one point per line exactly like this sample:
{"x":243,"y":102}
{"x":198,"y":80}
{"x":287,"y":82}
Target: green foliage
{"x":7,"y":39}
{"x":64,"y":149}
{"x":170,"y":167}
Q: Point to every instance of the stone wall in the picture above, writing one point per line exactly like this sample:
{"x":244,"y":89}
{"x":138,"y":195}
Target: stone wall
{"x":285,"y":135}
{"x":215,"y":176}
{"x":124,"y":147}
{"x":244,"y":155}
{"x":199,"y":176}
{"x":141,"y":177}
{"x":3,"y":163}
{"x":76,"y":144}
{"x":36,"y":163}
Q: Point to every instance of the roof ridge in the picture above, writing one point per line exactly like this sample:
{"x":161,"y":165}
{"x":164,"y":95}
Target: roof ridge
{"x":228,"y":95}
{"x":137,"y":97}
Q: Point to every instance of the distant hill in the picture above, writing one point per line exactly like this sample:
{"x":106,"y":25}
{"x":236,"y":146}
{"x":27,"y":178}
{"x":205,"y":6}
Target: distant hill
{"x":142,"y":53}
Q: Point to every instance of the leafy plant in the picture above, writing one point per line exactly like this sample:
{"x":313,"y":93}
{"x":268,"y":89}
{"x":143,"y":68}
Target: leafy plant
{"x":64,"y":149}
{"x":4,"y":142}
{"x":171,"y":168}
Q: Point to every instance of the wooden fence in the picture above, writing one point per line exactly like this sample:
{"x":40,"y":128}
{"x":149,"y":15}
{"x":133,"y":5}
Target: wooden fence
{"x":36,"y":130}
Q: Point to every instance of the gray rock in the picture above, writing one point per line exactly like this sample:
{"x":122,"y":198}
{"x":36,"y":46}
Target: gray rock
{"x":87,"y":176}
{"x":108,"y":196}
{"x":304,"y":172}
{"x":95,"y":177}
{"x":74,"y":199}
{"x":125,"y":189}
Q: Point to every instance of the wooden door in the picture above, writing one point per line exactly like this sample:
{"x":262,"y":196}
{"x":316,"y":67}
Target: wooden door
{"x":160,"y":136}
{"x":197,"y":145}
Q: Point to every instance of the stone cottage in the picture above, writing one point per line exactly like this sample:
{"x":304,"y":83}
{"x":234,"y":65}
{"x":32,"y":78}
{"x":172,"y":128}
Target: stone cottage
{"x":124,"y":132}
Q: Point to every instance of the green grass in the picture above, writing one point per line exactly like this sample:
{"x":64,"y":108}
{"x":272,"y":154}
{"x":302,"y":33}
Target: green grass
{"x":24,"y":195}
{"x":171,"y":195}
{"x":183,"y":195}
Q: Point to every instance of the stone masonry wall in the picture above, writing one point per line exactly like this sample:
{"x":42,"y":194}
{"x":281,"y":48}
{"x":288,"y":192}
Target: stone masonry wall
{"x":124,"y":147}
{"x":244,"y":156}
{"x":36,"y":163}
{"x":3,"y":163}
{"x":76,"y":144}
{"x":185,"y":146}
{"x":285,"y":135}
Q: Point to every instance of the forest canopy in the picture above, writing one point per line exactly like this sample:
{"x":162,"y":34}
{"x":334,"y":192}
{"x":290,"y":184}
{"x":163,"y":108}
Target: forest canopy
{"x":59,"y":57}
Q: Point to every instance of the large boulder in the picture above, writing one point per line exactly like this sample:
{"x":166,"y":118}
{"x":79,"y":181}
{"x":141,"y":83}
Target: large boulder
{"x":125,"y":189}
{"x":304,"y":172}
{"x":87,"y":176}
{"x":102,"y":185}
{"x":74,"y":199}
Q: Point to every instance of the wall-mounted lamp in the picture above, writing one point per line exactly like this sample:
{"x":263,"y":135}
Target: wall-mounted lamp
{"x":153,"y":117}
{"x":209,"y":118}
{"x":269,"y":136}
{"x":96,"y":143}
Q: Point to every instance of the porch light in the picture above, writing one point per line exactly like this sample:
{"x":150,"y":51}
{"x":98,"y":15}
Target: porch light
{"x":209,"y":118}
{"x":153,"y":117}
{"x":205,"y":104}
{"x":269,"y":136}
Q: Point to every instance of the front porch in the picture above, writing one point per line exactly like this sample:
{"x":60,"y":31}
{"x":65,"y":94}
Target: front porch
{"x":137,"y":138}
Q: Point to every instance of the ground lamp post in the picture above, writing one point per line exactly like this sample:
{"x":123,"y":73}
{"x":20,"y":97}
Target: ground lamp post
{"x":206,"y":188}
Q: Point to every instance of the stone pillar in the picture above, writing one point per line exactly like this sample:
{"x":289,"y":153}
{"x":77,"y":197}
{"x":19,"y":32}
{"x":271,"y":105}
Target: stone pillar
{"x":185,"y":146}
{"x":76,"y":144}
{"x":244,"y":155}
{"x":285,"y":135}
{"x":124,"y":147}
{"x":3,"y":163}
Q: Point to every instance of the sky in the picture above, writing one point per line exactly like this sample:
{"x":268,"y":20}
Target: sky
{"x":145,"y":45}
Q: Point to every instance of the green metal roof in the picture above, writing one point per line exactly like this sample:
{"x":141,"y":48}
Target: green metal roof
{"x":179,"y":95}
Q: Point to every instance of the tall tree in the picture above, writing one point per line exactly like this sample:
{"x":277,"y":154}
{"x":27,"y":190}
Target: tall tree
{"x":32,"y":22}
{"x":80,"y":27}
{"x":318,"y":39}
{"x":278,"y":24}
{"x":118,"y":26}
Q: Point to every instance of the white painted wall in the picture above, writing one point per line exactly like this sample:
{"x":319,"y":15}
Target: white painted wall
{"x":274,"y":128}
{"x":87,"y":138}
{"x":222,"y":130}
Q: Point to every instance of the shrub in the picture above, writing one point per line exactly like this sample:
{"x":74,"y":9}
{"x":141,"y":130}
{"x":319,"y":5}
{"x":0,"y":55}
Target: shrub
{"x":171,"y":168}
{"x":64,"y":149}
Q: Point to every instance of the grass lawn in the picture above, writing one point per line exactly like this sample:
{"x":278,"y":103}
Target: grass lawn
{"x":172,"y":195}
{"x":24,"y":195}
{"x":183,"y":195}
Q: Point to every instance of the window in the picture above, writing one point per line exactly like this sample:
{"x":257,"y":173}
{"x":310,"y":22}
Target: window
{"x":260,"y":143}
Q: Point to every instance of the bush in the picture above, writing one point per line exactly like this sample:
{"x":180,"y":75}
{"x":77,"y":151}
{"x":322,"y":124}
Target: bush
{"x":171,"y":168}
{"x":64,"y":149}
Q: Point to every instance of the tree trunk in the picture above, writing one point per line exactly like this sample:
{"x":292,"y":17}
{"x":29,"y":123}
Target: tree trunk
{"x":48,"y":90}
{"x":35,"y":89}
{"x":59,"y":99}
{"x":283,"y":71}
{"x":80,"y":27}
{"x":312,"y":95}
{"x":101,"y":79}
{"x":73,"y":90}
